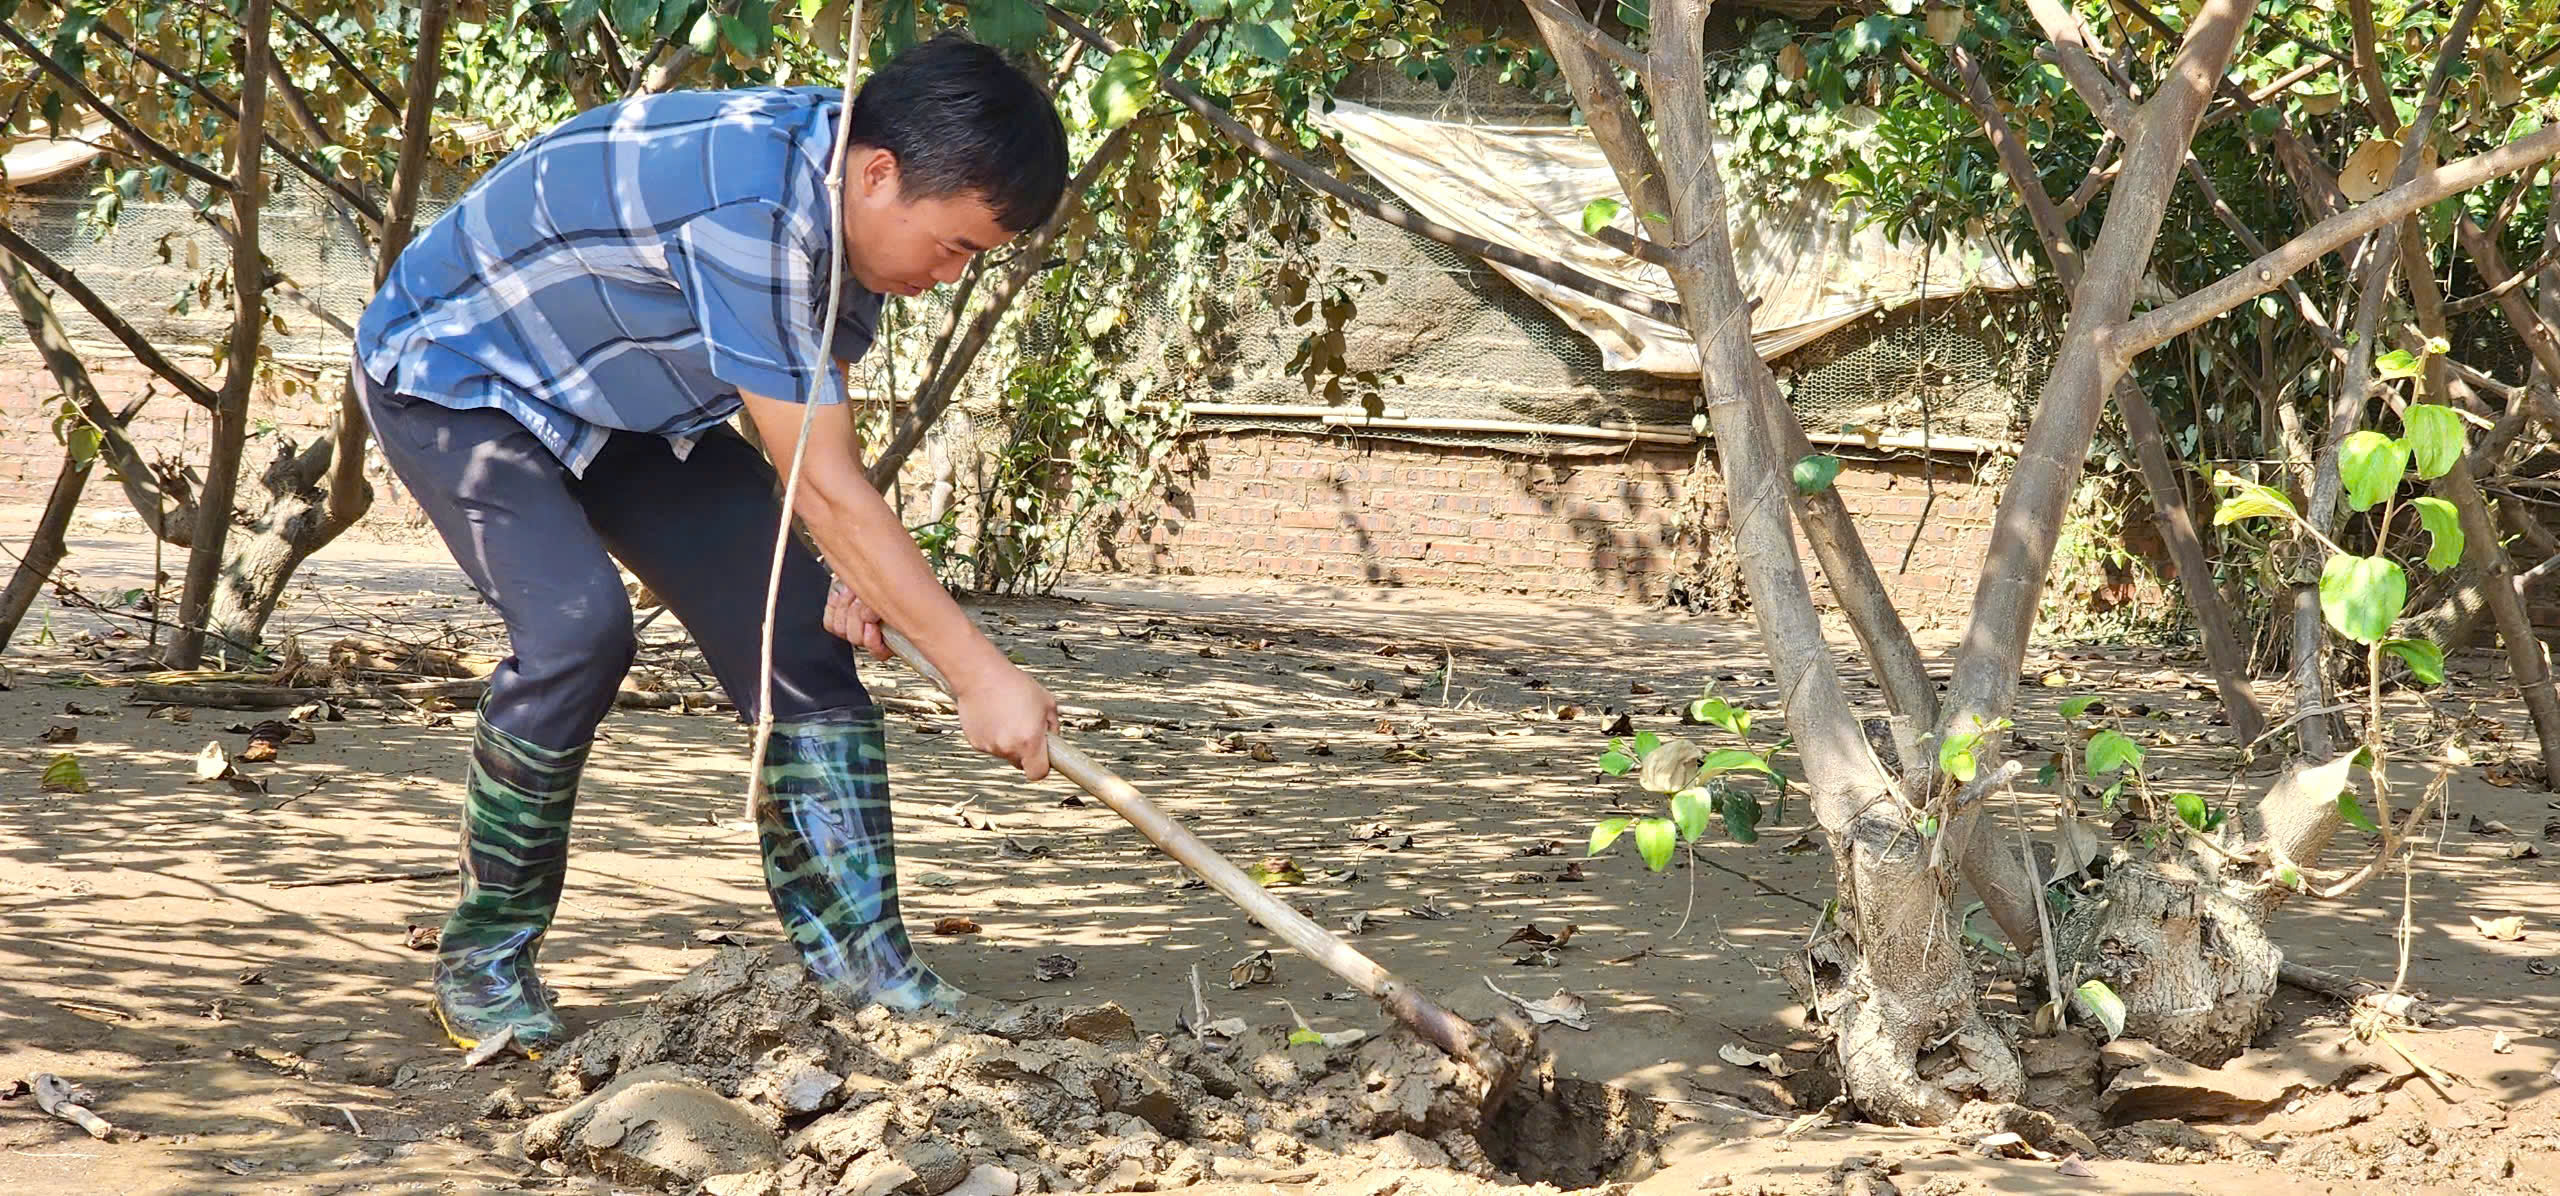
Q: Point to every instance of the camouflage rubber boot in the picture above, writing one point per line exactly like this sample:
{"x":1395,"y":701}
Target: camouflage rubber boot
{"x":515,"y":853}
{"x":824,"y":826}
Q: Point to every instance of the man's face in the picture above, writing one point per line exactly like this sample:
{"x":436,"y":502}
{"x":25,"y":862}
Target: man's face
{"x":898,"y":246}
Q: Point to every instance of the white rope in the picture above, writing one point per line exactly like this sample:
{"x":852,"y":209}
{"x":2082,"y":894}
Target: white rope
{"x":809,"y":405}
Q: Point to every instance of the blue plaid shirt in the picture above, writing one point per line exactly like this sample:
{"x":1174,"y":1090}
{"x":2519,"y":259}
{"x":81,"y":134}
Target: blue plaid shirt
{"x":631,"y":270}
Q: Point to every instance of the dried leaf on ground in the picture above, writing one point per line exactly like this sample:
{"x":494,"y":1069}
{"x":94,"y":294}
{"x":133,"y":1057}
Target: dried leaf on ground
{"x":2506,"y":930}
{"x":720,"y":936}
{"x":1563,"y":1009}
{"x":1358,"y":923}
{"x":1771,"y":1062}
{"x":1544,"y":847}
{"x":1261,"y":753}
{"x":1251,"y":970}
{"x":212,"y":764}
{"x":955,"y":925}
{"x":423,"y":938}
{"x":2075,"y":1168}
{"x":1427,"y":911}
{"x":1536,"y":937}
{"x":1053,"y":967}
{"x":1278,"y":870}
{"x":59,"y":733}
{"x":1371,"y":830}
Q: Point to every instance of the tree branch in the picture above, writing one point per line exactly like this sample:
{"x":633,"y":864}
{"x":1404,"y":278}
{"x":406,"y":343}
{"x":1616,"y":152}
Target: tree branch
{"x":2084,"y":372}
{"x":943,"y":384}
{"x":141,"y":487}
{"x":362,"y":77}
{"x":2167,"y":322}
{"x":106,"y":315}
{"x":89,"y":99}
{"x":1554,"y":18}
{"x":2069,"y":49}
{"x":214,"y":100}
{"x":1387,"y":213}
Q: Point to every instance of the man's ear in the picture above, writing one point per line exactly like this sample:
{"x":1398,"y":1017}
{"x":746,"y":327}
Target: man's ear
{"x":874,"y":171}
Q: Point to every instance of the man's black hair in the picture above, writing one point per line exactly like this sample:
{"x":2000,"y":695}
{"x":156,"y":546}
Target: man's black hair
{"x":961,"y":120}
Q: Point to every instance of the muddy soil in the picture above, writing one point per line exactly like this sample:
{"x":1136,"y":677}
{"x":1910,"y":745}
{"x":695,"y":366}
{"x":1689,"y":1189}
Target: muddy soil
{"x":1424,"y":760}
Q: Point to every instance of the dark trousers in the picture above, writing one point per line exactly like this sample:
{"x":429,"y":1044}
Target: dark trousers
{"x":539,"y":545}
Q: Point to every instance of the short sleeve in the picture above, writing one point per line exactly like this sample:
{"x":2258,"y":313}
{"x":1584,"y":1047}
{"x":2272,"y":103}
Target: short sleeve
{"x":751,"y":281}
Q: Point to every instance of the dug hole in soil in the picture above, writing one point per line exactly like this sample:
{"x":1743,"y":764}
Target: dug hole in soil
{"x":747,"y":1079}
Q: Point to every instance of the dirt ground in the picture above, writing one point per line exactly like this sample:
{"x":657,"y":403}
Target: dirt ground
{"x":1407,"y":750}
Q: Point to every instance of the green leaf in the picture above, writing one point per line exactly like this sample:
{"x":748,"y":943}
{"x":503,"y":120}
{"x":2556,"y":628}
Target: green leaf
{"x":1656,"y":839}
{"x":1741,"y":816}
{"x":1870,"y":36}
{"x":1607,"y":833}
{"x":1208,"y":10}
{"x":1127,"y":82}
{"x":1646,"y":741}
{"x":2373,"y":465}
{"x":64,"y":775}
{"x":2435,"y":436}
{"x":2101,"y":1002}
{"x":2110,"y":751}
{"x":1955,"y":755}
{"x":1724,"y":760}
{"x":2249,"y":500}
{"x":2398,"y":363}
{"x":82,"y":439}
{"x":2361,"y":596}
{"x":1813,"y":474}
{"x":2191,"y":810}
{"x":1716,"y":712}
{"x":2289,"y":876}
{"x":1597,"y":214}
{"x":898,"y":32}
{"x":1616,"y":762}
{"x":2425,"y":660}
{"x":1007,"y":24}
{"x":2444,"y":532}
{"x":705,"y":37}
{"x":1690,"y":811}
{"x":1303,"y":1036}
{"x":1269,"y":41}
{"x":2075,"y":707}
{"x":2353,"y":811}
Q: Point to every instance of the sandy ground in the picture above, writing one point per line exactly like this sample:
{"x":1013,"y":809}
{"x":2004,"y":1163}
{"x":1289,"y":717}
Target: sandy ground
{"x":267,"y":1038}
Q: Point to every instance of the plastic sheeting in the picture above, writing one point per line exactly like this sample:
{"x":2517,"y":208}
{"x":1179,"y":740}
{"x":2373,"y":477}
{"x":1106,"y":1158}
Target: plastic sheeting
{"x":30,"y":162}
{"x":1807,"y":262}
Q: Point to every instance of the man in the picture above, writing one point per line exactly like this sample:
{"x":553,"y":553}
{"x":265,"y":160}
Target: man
{"x":551,"y":367}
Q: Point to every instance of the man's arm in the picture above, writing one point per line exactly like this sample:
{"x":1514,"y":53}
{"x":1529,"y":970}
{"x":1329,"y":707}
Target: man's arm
{"x":1002,"y":710}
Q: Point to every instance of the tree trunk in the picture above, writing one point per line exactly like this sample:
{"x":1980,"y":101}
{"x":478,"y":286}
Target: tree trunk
{"x":1890,"y":978}
{"x":46,"y":547}
{"x":205,"y":557}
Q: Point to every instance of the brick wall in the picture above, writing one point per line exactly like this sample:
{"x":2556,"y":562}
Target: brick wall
{"x":1283,"y":505}
{"x":169,"y":426}
{"x":1325,"y":508}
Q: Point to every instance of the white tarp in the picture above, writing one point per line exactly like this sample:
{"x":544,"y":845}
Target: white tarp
{"x":1808,"y":263}
{"x":27,"y":162}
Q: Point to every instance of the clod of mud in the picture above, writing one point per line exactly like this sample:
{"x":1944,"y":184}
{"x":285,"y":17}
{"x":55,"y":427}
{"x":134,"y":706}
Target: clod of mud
{"x":1045,"y":1097}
